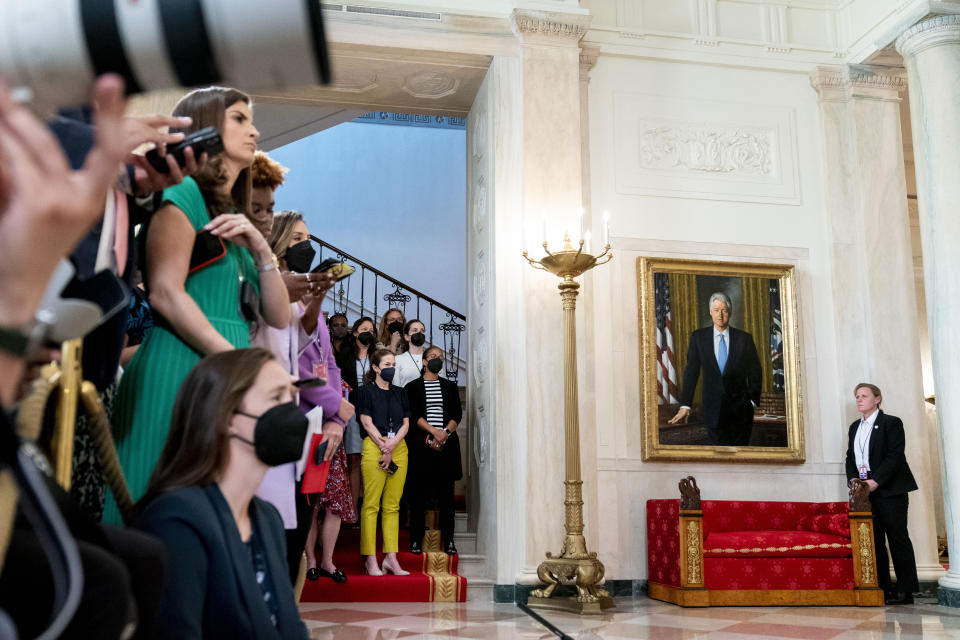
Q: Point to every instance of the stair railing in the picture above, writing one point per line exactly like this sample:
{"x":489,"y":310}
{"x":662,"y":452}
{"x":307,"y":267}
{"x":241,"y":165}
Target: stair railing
{"x":398,"y":295}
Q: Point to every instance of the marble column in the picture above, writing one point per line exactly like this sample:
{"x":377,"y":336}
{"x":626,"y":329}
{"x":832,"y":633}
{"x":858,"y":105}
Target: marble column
{"x":874,"y":292}
{"x":931,"y":52}
{"x":551,"y":180}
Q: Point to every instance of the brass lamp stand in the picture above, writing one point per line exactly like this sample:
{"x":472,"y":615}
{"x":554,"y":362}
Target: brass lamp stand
{"x":574,"y":562}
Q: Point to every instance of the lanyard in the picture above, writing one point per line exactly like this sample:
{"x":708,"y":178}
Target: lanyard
{"x":862,"y":441}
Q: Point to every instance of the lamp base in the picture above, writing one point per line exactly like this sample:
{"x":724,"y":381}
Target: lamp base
{"x":586,"y":572}
{"x":571,"y":605}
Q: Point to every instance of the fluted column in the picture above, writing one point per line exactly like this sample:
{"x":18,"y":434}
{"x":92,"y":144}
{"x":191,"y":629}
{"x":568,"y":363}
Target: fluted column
{"x":931,"y":52}
{"x":872,"y":268}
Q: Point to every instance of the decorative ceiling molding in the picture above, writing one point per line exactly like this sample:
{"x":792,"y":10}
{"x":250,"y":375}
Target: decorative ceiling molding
{"x":841,"y":83}
{"x":553,"y":24}
{"x":588,"y":59}
{"x":356,"y":83}
{"x":430,"y":85}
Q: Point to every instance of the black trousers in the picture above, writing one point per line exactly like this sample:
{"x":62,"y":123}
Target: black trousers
{"x":890,"y":523}
{"x":422,"y":489}
{"x":297,"y":538}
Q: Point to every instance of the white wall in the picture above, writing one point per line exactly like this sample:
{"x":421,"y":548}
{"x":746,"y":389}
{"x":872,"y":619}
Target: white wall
{"x":775,"y":216}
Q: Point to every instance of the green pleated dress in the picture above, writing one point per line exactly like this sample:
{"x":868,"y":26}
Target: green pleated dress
{"x":148,"y":388}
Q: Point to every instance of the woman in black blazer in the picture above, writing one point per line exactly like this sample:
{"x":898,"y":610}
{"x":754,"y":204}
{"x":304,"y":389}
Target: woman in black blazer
{"x":227,"y":573}
{"x":434,"y":449}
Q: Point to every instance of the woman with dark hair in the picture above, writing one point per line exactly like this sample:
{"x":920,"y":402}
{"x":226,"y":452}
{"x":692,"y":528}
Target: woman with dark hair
{"x":198,"y":309}
{"x":339,"y":328}
{"x":354,"y":362}
{"x":434,"y":445}
{"x":410,"y":361}
{"x":391,"y":331}
{"x":233,"y":418}
{"x":385,"y":415}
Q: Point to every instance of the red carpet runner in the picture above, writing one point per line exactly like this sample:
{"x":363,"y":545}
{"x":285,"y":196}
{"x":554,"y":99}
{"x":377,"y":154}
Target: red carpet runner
{"x":433,"y":576}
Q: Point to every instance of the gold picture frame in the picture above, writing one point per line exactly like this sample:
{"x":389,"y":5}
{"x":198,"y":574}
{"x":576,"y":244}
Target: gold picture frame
{"x":773,"y":432}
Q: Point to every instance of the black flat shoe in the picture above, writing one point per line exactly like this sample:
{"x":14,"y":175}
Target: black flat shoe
{"x":450,"y":549}
{"x":337,"y":576}
{"x":899,"y":598}
{"x":313,"y":574}
{"x":415,"y":547}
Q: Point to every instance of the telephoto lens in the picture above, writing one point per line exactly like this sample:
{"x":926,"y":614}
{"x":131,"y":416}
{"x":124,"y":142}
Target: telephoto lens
{"x":52,"y":50}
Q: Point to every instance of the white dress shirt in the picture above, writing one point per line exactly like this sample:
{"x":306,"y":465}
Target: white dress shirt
{"x":861,"y":440}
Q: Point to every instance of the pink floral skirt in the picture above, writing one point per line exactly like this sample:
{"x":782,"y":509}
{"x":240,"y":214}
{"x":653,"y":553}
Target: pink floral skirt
{"x":336,"y":497}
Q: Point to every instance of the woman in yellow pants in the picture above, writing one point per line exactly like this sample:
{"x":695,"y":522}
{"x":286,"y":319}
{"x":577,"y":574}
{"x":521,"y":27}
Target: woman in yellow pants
{"x":385,"y":416}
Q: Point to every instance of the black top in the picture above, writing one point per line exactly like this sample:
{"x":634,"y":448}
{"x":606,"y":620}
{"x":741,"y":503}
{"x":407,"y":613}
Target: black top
{"x":212,"y":590}
{"x":445,"y":463}
{"x":888,"y":463}
{"x":386,"y":407}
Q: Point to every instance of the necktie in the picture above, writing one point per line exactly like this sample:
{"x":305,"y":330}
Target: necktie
{"x":722,"y":354}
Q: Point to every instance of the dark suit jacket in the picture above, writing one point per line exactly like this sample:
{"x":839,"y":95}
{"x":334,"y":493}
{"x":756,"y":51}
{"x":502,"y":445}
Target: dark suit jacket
{"x":211,"y":591}
{"x":888,"y":464}
{"x":726,"y":397}
{"x":446,"y":462}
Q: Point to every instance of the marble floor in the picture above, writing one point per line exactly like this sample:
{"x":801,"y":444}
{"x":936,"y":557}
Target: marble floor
{"x":633,"y":618}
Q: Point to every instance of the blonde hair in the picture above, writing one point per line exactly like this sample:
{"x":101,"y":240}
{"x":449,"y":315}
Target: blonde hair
{"x":384,"y":336}
{"x":283,"y":224}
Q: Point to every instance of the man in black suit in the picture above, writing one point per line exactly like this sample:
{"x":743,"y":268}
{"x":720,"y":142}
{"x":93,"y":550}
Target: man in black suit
{"x":875,"y":455}
{"x":728,"y":360}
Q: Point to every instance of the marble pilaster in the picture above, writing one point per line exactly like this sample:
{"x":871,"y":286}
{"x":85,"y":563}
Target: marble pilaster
{"x":551,"y":185}
{"x":872,"y":270}
{"x":931,"y":52}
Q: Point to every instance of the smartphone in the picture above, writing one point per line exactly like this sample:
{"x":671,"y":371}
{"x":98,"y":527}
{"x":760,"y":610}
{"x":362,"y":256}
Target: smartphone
{"x":207,"y":249}
{"x":339,"y":269}
{"x":391,"y":468}
{"x":206,"y":140}
{"x":309,"y":382}
{"x":319,"y":452}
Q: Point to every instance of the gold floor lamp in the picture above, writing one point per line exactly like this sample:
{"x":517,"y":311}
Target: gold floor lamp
{"x":574,"y":562}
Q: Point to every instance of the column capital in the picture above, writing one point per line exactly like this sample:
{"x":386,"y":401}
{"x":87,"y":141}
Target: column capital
{"x":842,"y":83}
{"x":588,"y":59}
{"x":929,"y":33}
{"x":554,"y":27}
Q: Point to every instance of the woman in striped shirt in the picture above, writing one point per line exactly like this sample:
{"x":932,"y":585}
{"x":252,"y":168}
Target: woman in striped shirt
{"x":434,"y":448}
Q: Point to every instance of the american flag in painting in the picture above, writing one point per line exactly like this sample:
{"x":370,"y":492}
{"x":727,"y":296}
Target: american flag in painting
{"x":776,"y":336}
{"x":666,"y":374}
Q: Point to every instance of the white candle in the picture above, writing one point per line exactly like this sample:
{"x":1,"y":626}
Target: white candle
{"x":586,"y":241}
{"x":606,"y":227}
{"x":543,"y":219}
{"x":580,"y":220}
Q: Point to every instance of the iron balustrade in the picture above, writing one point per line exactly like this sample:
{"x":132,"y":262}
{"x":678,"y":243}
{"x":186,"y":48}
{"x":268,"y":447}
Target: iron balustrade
{"x":399,"y":297}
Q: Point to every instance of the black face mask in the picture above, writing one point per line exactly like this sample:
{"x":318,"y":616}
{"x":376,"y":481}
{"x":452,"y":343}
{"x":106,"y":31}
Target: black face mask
{"x":366,"y":338}
{"x":418,"y":339}
{"x":338,"y":332}
{"x":395,"y":327}
{"x":434,"y":365}
{"x":279,"y":435}
{"x":299,"y":257}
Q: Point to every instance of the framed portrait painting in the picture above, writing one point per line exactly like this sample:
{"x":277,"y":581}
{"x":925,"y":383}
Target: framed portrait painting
{"x":720,"y":375}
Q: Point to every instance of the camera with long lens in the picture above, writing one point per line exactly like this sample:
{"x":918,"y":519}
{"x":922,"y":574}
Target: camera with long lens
{"x":52,"y":50}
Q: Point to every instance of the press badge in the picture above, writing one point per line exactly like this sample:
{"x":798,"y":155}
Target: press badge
{"x":863,"y":471}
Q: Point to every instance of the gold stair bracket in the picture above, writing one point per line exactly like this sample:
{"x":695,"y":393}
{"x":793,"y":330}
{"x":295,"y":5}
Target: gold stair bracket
{"x":61,"y":448}
{"x":8,"y":511}
{"x":574,"y":563}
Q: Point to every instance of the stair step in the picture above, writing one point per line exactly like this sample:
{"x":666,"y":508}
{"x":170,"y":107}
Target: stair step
{"x":460,"y":523}
{"x":466,"y":543}
{"x":480,"y":590}
{"x":471,"y":566}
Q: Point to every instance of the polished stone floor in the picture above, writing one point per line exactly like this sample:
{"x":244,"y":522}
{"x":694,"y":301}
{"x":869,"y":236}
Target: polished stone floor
{"x":632,"y":618}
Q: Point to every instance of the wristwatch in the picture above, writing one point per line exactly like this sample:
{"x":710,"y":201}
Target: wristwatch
{"x":273,"y":264}
{"x":20,"y":341}
{"x":447,"y":431}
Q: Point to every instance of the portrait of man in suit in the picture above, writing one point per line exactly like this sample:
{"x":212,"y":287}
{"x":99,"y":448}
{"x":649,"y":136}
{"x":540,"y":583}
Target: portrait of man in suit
{"x":726,"y":362}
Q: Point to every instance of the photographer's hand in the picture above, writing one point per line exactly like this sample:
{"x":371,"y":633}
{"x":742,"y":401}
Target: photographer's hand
{"x":45,"y":207}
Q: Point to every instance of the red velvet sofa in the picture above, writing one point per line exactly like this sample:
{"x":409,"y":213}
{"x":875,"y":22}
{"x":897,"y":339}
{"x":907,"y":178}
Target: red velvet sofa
{"x":724,"y":552}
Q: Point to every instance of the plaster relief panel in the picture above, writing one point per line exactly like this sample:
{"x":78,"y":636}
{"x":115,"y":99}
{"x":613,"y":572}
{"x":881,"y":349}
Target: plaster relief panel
{"x":480,"y":209}
{"x":687,"y":148}
{"x":431,"y":84}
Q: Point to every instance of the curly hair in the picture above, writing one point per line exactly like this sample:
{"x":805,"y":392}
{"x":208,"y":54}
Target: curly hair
{"x":266,"y":172}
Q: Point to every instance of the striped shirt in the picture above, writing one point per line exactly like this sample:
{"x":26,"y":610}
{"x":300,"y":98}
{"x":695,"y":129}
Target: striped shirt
{"x":434,"y":403}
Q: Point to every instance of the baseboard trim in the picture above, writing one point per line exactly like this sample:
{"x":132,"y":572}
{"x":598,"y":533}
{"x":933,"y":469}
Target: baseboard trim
{"x":519,"y":593}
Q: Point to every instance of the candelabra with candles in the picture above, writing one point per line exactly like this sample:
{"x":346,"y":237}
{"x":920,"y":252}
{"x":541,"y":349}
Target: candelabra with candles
{"x":574,"y":562}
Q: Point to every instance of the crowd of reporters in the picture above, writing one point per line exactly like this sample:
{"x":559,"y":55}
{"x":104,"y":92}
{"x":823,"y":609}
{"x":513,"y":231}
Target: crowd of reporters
{"x":209,"y":371}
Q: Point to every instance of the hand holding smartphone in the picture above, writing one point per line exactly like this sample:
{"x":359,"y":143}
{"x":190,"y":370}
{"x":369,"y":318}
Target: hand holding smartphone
{"x":334,"y":267}
{"x":205,"y":140}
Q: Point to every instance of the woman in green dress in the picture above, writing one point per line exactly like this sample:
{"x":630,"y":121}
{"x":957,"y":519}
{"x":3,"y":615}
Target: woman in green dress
{"x":198,"y":311}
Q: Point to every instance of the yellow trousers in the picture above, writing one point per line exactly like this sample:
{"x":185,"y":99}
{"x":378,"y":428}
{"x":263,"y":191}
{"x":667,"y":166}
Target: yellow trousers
{"x":376,"y":485}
